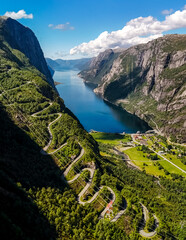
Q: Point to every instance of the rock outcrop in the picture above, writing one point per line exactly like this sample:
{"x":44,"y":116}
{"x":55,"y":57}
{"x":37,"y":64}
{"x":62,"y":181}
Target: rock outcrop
{"x":99,"y":66}
{"x":23,"y":39}
{"x":149,"y":80}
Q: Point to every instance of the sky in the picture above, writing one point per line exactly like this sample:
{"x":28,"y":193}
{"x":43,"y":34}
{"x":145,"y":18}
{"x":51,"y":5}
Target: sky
{"x":71,"y":29}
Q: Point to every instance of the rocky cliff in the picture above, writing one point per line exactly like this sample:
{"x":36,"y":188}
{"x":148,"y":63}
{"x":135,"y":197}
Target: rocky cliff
{"x":149,"y":80}
{"x":23,"y":39}
{"x":99,"y":66}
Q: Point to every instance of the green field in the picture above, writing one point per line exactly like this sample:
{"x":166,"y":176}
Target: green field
{"x":139,"y":160}
{"x":111,"y":138}
{"x":171,"y":168}
{"x":175,"y":160}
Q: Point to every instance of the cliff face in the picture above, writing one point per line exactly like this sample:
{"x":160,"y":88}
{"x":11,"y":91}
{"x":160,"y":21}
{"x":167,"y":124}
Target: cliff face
{"x":99,"y":66}
{"x":149,"y":80}
{"x":24,"y":40}
{"x":51,"y":70}
{"x":24,"y":170}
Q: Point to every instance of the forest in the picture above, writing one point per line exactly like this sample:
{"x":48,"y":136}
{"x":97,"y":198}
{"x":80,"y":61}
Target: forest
{"x":36,"y":202}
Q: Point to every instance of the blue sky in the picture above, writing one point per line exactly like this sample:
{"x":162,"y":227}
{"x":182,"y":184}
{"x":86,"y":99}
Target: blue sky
{"x":73,"y":22}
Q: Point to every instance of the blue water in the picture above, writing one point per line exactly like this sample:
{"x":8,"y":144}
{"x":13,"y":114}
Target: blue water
{"x":92,"y":111}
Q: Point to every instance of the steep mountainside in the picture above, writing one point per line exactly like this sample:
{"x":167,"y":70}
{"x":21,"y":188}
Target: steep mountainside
{"x":99,"y":66}
{"x":23,"y":39}
{"x":53,"y":182}
{"x":149,"y":80}
{"x":60,"y":64}
{"x":24,"y":170}
{"x":51,"y":70}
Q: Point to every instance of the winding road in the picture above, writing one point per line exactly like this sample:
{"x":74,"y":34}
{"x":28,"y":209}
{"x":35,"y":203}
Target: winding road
{"x":146,"y":218}
{"x":89,"y":183}
{"x":92,"y":169}
{"x":5,"y":91}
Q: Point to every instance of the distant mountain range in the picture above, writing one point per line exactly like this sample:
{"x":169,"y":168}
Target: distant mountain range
{"x":54,"y":184}
{"x":148,"y":80}
{"x":61,"y":65}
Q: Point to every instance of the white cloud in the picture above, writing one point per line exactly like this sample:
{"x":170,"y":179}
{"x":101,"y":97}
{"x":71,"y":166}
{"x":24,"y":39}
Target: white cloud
{"x":61,"y":54}
{"x":136,"y":31}
{"x":20,"y":14}
{"x":62,"y":27}
{"x":167,"y":12}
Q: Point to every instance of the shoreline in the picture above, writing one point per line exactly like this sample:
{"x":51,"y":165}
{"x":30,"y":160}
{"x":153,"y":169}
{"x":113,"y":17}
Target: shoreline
{"x":57,"y":83}
{"x":148,"y":132}
{"x":112,"y":103}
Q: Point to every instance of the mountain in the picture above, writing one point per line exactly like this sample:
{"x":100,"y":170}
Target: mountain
{"x":23,"y":39}
{"x":51,"y":70}
{"x":60,"y":64}
{"x":148,"y":80}
{"x":99,"y":66}
{"x":25,"y":172}
{"x":54,"y":184}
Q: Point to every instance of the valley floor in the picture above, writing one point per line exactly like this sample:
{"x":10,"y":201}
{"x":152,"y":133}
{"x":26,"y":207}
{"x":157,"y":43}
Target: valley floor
{"x":148,"y":152}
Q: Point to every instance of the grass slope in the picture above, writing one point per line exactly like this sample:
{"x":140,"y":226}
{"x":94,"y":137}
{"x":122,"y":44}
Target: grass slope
{"x":34,"y":201}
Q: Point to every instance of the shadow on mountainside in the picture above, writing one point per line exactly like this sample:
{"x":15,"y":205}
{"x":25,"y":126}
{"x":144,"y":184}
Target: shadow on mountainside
{"x":22,"y":163}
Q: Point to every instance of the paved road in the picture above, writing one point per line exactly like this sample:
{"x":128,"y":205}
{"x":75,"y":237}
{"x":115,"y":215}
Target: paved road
{"x":87,"y":186}
{"x":69,"y":167}
{"x":168,"y":160}
{"x":50,"y":153}
{"x":15,"y":88}
{"x":113,"y":200}
{"x":118,"y":215}
{"x":77,"y":175}
{"x":51,"y":137}
{"x":91,"y":170}
{"x":146,"y":218}
{"x":34,"y":114}
{"x":158,"y":154}
{"x":126,"y":158}
{"x":43,"y":151}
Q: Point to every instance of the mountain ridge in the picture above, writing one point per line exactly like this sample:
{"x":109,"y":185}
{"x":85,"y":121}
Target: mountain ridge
{"x":23,"y":39}
{"x":99,"y":66}
{"x":62,"y":65}
{"x":149,"y":80}
{"x":45,"y":154}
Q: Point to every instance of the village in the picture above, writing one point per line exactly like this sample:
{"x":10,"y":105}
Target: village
{"x":148,"y":152}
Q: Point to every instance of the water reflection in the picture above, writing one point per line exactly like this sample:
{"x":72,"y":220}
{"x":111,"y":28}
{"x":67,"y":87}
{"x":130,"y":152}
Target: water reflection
{"x":92,"y":111}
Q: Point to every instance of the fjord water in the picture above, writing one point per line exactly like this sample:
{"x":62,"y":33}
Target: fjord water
{"x":92,"y":111}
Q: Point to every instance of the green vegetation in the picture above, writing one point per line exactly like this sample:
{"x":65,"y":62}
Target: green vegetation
{"x":135,"y":84}
{"x":140,"y":159}
{"x":128,"y":63}
{"x":137,"y":186}
{"x":35,"y":201}
{"x":38,"y":176}
{"x":72,"y":221}
{"x":156,"y":194}
{"x":175,"y":43}
{"x":110,"y":138}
